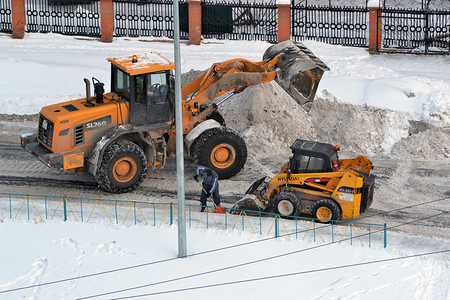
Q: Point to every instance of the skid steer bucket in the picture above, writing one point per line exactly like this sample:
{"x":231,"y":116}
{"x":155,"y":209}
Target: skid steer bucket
{"x":298,"y":71}
{"x":250,"y":201}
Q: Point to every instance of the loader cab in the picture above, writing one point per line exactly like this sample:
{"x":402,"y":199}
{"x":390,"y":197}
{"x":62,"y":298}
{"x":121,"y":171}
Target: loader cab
{"x":145,"y":81}
{"x":313,"y":157}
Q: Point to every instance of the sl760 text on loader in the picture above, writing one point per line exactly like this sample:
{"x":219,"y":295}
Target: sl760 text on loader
{"x":116,"y":136}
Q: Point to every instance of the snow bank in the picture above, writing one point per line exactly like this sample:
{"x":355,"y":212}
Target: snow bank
{"x":268,"y":118}
{"x":270,"y":121}
{"x":359,"y":129}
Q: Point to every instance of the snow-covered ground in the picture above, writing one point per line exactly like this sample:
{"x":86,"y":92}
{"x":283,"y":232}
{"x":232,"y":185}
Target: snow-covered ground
{"x":45,"y":69}
{"x":220,"y":265}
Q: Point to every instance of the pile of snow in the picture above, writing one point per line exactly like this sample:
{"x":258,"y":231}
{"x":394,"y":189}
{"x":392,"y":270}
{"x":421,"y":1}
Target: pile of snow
{"x":433,"y":144}
{"x":370,"y":108}
{"x":268,"y":118}
{"x":270,"y":121}
{"x":359,"y":129}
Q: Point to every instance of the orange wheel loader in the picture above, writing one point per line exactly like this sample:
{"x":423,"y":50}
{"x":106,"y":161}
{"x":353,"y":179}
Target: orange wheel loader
{"x":117,"y":136}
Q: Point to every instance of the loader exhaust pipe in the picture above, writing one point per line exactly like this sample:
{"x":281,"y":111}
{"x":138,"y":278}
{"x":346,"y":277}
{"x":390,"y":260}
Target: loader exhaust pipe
{"x":88,"y":93}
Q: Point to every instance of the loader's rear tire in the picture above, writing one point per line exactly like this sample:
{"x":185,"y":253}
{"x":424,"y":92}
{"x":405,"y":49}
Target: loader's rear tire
{"x":325,"y":210}
{"x":286,"y":204}
{"x":222,"y":150}
{"x":123,"y":167}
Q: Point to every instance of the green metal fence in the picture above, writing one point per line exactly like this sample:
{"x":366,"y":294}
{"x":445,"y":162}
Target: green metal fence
{"x":130,"y":212}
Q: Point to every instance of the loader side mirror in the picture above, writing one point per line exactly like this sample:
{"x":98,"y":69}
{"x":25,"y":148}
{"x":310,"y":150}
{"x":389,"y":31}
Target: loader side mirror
{"x":172,"y":82}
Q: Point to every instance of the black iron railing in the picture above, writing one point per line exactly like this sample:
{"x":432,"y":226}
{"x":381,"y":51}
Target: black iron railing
{"x":5,"y":16}
{"x":65,"y":17}
{"x":141,"y":18}
{"x":416,"y":31}
{"x":332,"y":25}
{"x":240,"y":21}
{"x":403,"y":30}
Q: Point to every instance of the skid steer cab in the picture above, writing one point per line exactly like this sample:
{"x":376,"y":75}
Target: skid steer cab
{"x":316,"y":182}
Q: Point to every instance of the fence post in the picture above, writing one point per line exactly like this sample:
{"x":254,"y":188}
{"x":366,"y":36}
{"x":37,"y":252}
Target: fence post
{"x":65,"y":209}
{"x":195,"y":21}
{"x":277,"y":230}
{"x":18,"y":18}
{"x":374,"y":26}
{"x":107,"y":20}
{"x":284,"y":20}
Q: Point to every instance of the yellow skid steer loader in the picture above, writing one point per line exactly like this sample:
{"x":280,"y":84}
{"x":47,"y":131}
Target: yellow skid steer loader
{"x":316,"y":182}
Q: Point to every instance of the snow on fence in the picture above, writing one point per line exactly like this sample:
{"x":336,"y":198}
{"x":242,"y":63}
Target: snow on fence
{"x":42,"y":208}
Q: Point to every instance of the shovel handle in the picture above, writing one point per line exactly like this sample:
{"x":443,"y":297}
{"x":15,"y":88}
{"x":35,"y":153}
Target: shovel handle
{"x":204,"y":189}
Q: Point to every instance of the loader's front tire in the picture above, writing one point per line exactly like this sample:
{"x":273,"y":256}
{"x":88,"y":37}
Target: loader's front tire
{"x":286,"y":204}
{"x":123,"y":167}
{"x":222,"y":150}
{"x":325,"y":210}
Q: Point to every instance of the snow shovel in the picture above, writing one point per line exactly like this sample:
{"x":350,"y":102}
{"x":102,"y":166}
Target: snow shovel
{"x":218,"y":209}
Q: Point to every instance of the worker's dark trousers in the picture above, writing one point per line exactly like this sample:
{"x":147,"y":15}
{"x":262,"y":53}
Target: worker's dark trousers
{"x":204,"y":196}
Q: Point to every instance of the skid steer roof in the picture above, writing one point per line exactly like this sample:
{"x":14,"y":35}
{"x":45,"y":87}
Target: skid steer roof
{"x":312,"y":148}
{"x":142,"y":63}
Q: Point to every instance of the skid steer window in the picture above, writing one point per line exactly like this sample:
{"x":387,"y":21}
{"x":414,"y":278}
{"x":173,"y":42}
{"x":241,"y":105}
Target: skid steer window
{"x":304,"y":164}
{"x":315,"y":164}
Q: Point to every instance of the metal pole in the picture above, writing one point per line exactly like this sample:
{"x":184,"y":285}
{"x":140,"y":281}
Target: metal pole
{"x":182,"y":252}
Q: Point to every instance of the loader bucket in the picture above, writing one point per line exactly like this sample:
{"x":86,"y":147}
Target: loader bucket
{"x":298,"y":71}
{"x":248,"y":203}
{"x":250,"y":200}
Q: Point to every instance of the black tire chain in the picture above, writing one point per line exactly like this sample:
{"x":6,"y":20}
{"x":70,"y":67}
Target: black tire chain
{"x":121,"y":146}
{"x":208,"y":135}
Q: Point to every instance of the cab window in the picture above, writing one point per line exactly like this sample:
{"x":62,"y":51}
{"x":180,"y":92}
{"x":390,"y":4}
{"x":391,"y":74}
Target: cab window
{"x":306,"y":164}
{"x":157,"y":87}
{"x":121,"y":83}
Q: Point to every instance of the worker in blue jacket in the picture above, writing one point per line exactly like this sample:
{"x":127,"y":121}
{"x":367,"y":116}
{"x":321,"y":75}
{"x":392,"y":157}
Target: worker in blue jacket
{"x":210,"y":185}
